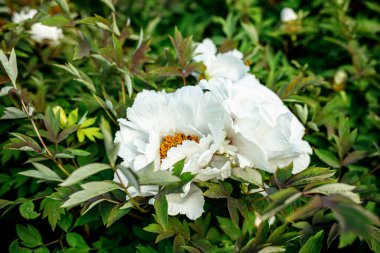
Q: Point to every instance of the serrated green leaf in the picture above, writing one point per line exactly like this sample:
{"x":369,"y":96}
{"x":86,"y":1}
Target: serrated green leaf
{"x":29,"y":235}
{"x":52,"y":210}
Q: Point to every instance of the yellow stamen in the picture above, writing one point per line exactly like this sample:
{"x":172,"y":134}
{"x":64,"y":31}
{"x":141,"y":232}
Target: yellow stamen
{"x":174,"y":140}
{"x":247,"y":62}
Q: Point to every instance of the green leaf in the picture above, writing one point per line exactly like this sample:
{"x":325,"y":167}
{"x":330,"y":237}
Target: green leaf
{"x":248,"y":175}
{"x":111,"y":148}
{"x":283,"y":174}
{"x":65,"y":222}
{"x":42,"y":250}
{"x":10,"y":65}
{"x":78,"y":152}
{"x":333,"y":234}
{"x":233,"y":210}
{"x":147,"y":176}
{"x":328,"y":157}
{"x":29,"y":235}
{"x":15,"y":248}
{"x":313,"y":244}
{"x":272,"y":249}
{"x":116,"y":213}
{"x":91,"y":133}
{"x":85,"y":172}
{"x":302,"y":112}
{"x":52,"y":210}
{"x":276,"y":234}
{"x":312,"y":174}
{"x":64,"y":6}
{"x":51,"y":122}
{"x":72,"y":118}
{"x":23,"y":142}
{"x":109,"y":4}
{"x":281,"y":199}
{"x":161,"y":208}
{"x":79,"y":76}
{"x":91,"y":190}
{"x":13,"y":113}
{"x":27,"y":210}
{"x":229,"y":228}
{"x":251,"y":31}
{"x":56,"y":20}
{"x":75,"y":240}
{"x":66,"y":133}
{"x":129,"y":174}
{"x":346,"y":239}
{"x":352,"y":217}
{"x":220,"y":190}
{"x":340,"y":188}
{"x":42,"y":172}
{"x":261,"y":235}
{"x":307,"y":210}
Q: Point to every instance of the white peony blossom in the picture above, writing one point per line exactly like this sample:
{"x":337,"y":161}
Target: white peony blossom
{"x":39,"y":32}
{"x":164,"y":129}
{"x":226,"y":65}
{"x":288,"y":14}
{"x":263,"y":130}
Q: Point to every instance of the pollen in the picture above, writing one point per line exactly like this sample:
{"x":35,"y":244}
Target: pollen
{"x":173,"y":141}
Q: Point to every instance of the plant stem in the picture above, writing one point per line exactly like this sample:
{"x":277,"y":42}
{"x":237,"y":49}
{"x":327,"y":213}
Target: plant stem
{"x":105,"y":109}
{"x":129,"y":195}
{"x":124,"y":99}
{"x":60,"y":166}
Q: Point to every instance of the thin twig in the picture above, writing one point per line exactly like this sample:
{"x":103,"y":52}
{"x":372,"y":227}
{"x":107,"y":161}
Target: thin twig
{"x":128,"y":194}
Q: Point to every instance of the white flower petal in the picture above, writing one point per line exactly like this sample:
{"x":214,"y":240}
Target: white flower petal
{"x":227,"y":66}
{"x":205,"y":51}
{"x":288,"y":14}
{"x":263,"y":130}
{"x":155,"y":116}
{"x":190,"y":204}
{"x":223,"y":65}
{"x":23,"y":15}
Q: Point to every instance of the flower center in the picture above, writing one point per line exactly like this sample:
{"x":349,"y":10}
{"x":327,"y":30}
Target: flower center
{"x":170,"y":141}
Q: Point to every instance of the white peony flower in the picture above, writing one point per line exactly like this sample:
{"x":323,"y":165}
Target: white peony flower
{"x":288,"y":14}
{"x":23,"y":15}
{"x":39,"y":32}
{"x":226,"y":65}
{"x":263,"y":130}
{"x":164,"y":129}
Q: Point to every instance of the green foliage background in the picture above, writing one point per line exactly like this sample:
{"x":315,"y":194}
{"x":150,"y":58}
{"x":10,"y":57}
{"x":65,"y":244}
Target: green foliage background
{"x":125,"y":48}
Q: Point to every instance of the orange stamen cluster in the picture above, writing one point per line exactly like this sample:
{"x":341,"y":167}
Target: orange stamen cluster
{"x":174,"y":140}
